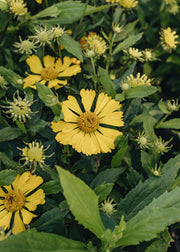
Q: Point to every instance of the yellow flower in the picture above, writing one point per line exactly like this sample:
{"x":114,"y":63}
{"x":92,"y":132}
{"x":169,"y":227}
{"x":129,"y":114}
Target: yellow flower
{"x":18,"y":7}
{"x":34,"y":154}
{"x":129,"y":4}
{"x":168,"y":39}
{"x":18,"y":200}
{"x":39,"y":1}
{"x":51,"y":72}
{"x":136,"y":81}
{"x":88,"y":130}
{"x":57,"y":32}
{"x":95,"y":43}
{"x":134,"y":53}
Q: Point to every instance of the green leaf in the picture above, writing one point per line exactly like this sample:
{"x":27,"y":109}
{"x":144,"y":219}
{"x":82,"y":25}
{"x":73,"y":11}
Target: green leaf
{"x":40,"y":242}
{"x":11,"y":77}
{"x":51,"y":11}
{"x":103,"y":191}
{"x":48,"y":97}
{"x":152,"y":188}
{"x":171,"y":124}
{"x":38,"y":126}
{"x":71,"y":46}
{"x":51,"y":187}
{"x":148,"y":124}
{"x":118,"y":157}
{"x":154,"y":218}
{"x":106,"y":82}
{"x":162,"y":106}
{"x":9,"y":163}
{"x":9,"y":133}
{"x":140,"y":92}
{"x":7,"y":177}
{"x":131,"y":40}
{"x":82,"y":201}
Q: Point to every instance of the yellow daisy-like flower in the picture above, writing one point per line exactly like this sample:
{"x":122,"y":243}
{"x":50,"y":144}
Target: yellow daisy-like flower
{"x":18,"y":7}
{"x":132,"y":81}
{"x":128,"y":4}
{"x":135,"y":54}
{"x":95,"y":43}
{"x":168,"y":39}
{"x":18,"y":200}
{"x":88,"y":130}
{"x":52,"y":71}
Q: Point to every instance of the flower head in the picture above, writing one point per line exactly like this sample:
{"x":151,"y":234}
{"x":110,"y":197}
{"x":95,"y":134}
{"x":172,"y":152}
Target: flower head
{"x":173,"y":105}
{"x":143,"y":140}
{"x":57,"y":32}
{"x":18,"y":200}
{"x":168,"y":39}
{"x":117,"y":28}
{"x":108,"y":206}
{"x":89,"y":130}
{"x":135,"y":54}
{"x":18,"y":7}
{"x":42,"y":35}
{"x":51,"y":72}
{"x":33,"y":154}
{"x":19,"y":108}
{"x":161,"y":146}
{"x":148,"y":55}
{"x":128,"y":4}
{"x":25,"y":46}
{"x":156,"y":171}
{"x":136,"y":81}
{"x":39,"y":1}
{"x":3,"y":82}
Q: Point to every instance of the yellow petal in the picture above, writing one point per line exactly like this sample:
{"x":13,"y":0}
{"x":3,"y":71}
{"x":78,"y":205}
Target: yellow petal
{"x":34,"y":64}
{"x":87,"y":97}
{"x":111,"y":106}
{"x":31,"y":80}
{"x":37,"y":198}
{"x":70,"y":71}
{"x":102,"y":100}
{"x":62,"y":126}
{"x":65,"y":137}
{"x":2,"y":207}
{"x":18,"y":225}
{"x":2,"y":193}
{"x":54,"y":83}
{"x":39,"y":1}
{"x":5,"y":219}
{"x":113,"y":118}
{"x":27,"y":216}
{"x":48,"y":61}
{"x":68,"y":106}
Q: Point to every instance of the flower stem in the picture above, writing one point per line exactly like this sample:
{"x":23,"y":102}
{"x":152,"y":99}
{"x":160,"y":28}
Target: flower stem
{"x":111,"y":42}
{"x":46,"y":3}
{"x":95,"y":74}
{"x":161,"y":122}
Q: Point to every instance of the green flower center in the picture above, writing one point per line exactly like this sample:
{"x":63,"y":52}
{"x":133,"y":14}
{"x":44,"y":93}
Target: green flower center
{"x":20,"y":108}
{"x":14,"y":200}
{"x":35,"y":153}
{"x":88,"y":122}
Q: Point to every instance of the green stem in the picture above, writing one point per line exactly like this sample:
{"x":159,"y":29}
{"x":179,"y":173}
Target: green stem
{"x":85,"y":7}
{"x":5,"y":29}
{"x":46,"y":3}
{"x":95,"y":74}
{"x":110,"y":51}
{"x":161,"y":122}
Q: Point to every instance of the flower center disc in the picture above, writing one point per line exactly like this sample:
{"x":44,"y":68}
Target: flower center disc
{"x":35,"y":153}
{"x":20,"y":108}
{"x":14,"y":200}
{"x":49,"y":73}
{"x":88,"y":122}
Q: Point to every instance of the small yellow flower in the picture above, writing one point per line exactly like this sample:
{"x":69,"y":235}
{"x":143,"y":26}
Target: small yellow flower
{"x":108,"y":206}
{"x":18,"y":200}
{"x":89,"y":130}
{"x":19,"y":108}
{"x":18,"y":7}
{"x":34,"y":154}
{"x":3,"y":83}
{"x":173,"y":9}
{"x":95,"y":43}
{"x":52,"y":71}
{"x":117,"y":28}
{"x":128,"y":4}
{"x":170,"y":2}
{"x":39,"y":1}
{"x":148,"y":55}
{"x":42,"y":35}
{"x":161,"y":146}
{"x":25,"y":46}
{"x":135,"y":54}
{"x":136,"y":81}
{"x":168,"y":39}
{"x":57,"y":32}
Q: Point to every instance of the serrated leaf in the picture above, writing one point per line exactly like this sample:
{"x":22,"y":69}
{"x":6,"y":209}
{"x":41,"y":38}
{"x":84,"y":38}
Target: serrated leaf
{"x":7,"y":177}
{"x":103,"y":191}
{"x":154,"y":218}
{"x":118,"y":157}
{"x":171,"y":124}
{"x":71,"y":46}
{"x":40,"y":242}
{"x":152,"y":188}
{"x":83,"y":202}
{"x":106,"y":82}
{"x":140,"y":92}
{"x":9,"y":133}
{"x":131,"y":40}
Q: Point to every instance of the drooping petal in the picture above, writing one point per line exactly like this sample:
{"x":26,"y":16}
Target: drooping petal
{"x":18,"y":225}
{"x":56,"y":82}
{"x":63,"y":126}
{"x":27,"y":216}
{"x":68,"y":106}
{"x":37,"y":198}
{"x":87,"y":97}
{"x":34,"y":64}
{"x":70,"y":71}
{"x":31,"y":80}
{"x":65,"y":136}
{"x":5,"y":219}
{"x":48,"y":61}
{"x":114,"y":119}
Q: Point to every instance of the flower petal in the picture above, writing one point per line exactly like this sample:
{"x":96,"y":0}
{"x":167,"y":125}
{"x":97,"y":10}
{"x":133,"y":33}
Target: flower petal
{"x":27,"y":216}
{"x":31,"y":80}
{"x":62,"y":126}
{"x":35,"y":199}
{"x":60,"y":67}
{"x":70,"y":71}
{"x":18,"y":225}
{"x":65,"y":136}
{"x":54,"y":83}
{"x":87,"y":97}
{"x":5,"y":219}
{"x":2,"y":193}
{"x":102,"y":100}
{"x":34,"y":64}
{"x":113,"y":118}
{"x":68,"y":106}
{"x":48,"y":61}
